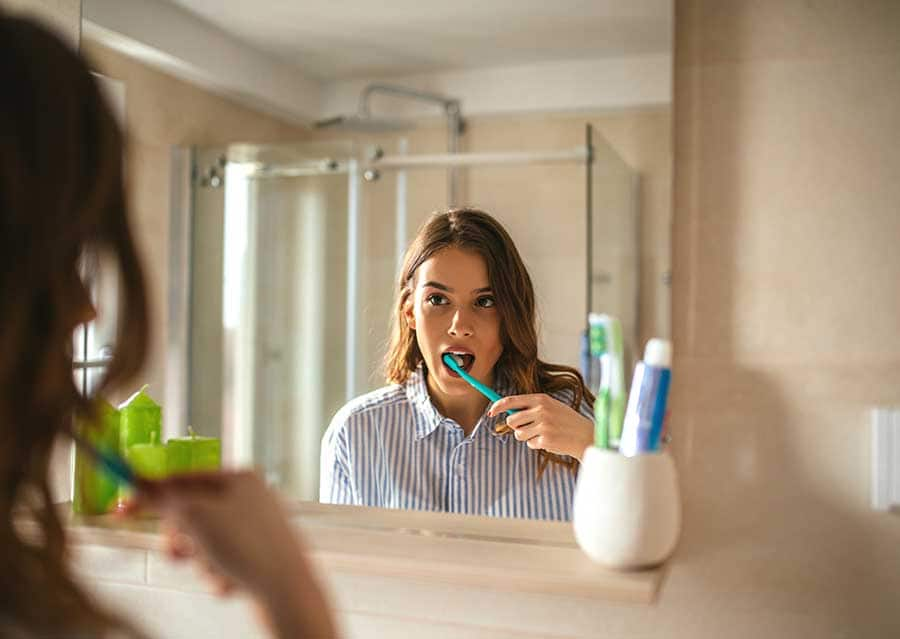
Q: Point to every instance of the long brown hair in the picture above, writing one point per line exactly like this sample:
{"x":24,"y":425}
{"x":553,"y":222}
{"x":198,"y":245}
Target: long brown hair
{"x":474,"y":230}
{"x":61,"y":197}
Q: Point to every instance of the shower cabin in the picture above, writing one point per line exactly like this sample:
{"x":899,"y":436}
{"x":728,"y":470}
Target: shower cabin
{"x":285,"y":259}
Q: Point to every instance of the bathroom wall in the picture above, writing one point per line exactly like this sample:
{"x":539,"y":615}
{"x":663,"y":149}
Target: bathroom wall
{"x":785,"y":309}
{"x":162,"y":112}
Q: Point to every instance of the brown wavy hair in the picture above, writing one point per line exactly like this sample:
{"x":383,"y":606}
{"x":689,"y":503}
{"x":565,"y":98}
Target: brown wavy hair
{"x":62,"y":198}
{"x":473,"y":230}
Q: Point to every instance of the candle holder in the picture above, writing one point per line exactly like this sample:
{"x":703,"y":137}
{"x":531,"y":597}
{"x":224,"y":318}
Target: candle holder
{"x":627,"y":511}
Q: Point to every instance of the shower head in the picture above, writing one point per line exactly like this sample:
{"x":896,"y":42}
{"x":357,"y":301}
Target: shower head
{"x":363,"y":124}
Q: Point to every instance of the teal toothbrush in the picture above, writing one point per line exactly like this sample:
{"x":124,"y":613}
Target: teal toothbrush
{"x":487,"y":391}
{"x":108,"y":460}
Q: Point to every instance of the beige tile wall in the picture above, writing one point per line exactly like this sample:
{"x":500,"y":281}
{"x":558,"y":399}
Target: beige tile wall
{"x":786,"y":307}
{"x":162,"y":112}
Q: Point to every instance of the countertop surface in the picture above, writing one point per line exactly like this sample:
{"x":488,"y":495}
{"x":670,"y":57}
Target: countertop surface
{"x":503,"y":554}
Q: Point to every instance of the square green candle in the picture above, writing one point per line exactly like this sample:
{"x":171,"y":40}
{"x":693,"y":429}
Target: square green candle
{"x":150,"y":460}
{"x":194,"y":453}
{"x":95,"y":490}
{"x":141,"y":419}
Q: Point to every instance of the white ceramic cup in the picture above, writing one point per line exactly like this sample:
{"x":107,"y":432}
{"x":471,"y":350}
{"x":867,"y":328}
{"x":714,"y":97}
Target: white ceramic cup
{"x":627,"y":511}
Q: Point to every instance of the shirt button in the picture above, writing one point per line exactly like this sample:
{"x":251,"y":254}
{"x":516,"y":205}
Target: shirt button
{"x":460,"y":471}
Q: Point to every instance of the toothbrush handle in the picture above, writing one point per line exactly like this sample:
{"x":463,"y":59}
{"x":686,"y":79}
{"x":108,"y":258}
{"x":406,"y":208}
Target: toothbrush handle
{"x":110,"y":462}
{"x":487,"y":391}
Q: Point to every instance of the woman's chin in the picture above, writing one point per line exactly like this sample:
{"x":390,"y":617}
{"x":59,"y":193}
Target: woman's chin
{"x":451,"y":384}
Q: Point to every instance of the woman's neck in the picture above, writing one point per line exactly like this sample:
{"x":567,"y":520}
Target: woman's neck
{"x":465,"y":410}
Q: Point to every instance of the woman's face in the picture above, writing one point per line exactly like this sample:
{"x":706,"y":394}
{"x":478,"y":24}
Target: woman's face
{"x":452,"y":310}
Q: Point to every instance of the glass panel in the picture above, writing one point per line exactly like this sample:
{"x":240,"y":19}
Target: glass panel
{"x":93,"y":378}
{"x":93,"y":342}
{"x":206,"y":283}
{"x":389,"y":219}
{"x":78,"y":343}
{"x":101,"y":333}
{"x":614,"y":249}
{"x":270,"y":294}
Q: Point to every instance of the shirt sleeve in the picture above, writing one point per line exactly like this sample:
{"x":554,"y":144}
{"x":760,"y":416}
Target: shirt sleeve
{"x":335,"y":478}
{"x":586,"y":409}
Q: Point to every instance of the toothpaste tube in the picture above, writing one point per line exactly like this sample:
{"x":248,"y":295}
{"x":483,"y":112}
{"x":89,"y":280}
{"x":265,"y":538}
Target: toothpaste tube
{"x":646,"y":410}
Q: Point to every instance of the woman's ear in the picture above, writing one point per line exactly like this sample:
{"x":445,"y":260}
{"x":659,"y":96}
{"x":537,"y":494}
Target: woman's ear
{"x":408,"y":313}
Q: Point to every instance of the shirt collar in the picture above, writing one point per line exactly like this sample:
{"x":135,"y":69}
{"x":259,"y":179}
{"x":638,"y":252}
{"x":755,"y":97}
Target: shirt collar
{"x":427,"y":417}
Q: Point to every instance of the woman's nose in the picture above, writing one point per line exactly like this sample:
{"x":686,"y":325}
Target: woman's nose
{"x":461,"y":325}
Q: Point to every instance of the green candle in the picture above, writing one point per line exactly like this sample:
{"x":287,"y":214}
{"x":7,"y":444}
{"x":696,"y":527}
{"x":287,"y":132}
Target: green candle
{"x":194,"y":453}
{"x":148,"y":460}
{"x":95,"y":490}
{"x":141,"y":419}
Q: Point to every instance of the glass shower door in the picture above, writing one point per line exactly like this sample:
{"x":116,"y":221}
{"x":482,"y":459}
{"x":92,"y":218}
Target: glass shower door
{"x":273,"y":265}
{"x":614,"y":244}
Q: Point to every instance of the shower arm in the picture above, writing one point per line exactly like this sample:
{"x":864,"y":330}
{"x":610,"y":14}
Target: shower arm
{"x":449,"y":104}
{"x":451,"y":109}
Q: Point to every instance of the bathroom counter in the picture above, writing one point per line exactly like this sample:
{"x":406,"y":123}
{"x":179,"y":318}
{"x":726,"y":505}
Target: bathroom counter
{"x":388,"y":572}
{"x":505,"y":554}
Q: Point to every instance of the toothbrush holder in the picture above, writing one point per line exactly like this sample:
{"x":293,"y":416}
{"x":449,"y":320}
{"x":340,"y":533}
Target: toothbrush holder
{"x":627,"y":511}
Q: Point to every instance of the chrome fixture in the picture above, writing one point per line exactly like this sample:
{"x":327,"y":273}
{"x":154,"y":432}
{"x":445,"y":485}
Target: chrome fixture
{"x":363,"y":121}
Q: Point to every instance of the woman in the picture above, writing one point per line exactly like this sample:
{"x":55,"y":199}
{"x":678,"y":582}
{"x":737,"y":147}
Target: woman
{"x":62,"y":200}
{"x":429,"y":440}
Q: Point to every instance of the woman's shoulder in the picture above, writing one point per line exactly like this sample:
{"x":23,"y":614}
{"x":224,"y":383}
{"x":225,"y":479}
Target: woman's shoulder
{"x":358,"y":409}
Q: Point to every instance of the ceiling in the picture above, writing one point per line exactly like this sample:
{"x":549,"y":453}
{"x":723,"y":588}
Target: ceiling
{"x":342,"y":39}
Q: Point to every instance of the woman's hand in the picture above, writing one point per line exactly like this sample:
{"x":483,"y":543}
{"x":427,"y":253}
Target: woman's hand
{"x":547,"y":424}
{"x":238,"y":531}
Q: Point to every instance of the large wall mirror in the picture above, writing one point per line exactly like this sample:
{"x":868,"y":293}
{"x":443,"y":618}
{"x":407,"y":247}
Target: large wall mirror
{"x":284,"y":256}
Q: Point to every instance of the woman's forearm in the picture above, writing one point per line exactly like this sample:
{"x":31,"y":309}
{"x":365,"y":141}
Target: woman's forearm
{"x":295,"y":607}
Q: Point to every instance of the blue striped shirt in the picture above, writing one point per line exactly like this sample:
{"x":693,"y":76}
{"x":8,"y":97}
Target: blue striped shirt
{"x":392,"y":448}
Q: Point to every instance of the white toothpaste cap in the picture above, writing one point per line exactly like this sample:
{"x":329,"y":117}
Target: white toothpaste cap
{"x":658,"y":353}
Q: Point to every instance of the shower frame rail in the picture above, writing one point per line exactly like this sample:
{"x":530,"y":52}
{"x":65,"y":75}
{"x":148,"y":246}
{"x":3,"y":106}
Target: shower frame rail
{"x":577,"y":155}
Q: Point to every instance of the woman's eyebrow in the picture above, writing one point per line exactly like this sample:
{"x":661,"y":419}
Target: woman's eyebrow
{"x":444,"y":287}
{"x":438,"y":285}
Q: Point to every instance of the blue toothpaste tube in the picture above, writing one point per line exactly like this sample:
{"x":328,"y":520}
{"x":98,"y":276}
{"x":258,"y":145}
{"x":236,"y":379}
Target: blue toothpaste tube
{"x":646,"y":411}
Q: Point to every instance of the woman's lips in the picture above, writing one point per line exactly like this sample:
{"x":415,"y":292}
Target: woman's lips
{"x":464,"y":360}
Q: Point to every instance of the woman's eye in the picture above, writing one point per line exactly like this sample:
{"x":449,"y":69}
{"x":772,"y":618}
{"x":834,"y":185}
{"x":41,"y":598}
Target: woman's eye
{"x":486,"y":302}
{"x":436,"y":300}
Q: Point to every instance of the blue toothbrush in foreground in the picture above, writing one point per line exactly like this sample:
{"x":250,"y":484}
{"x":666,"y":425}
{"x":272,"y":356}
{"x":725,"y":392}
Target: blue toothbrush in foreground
{"x":487,"y":391}
{"x":109,"y":461}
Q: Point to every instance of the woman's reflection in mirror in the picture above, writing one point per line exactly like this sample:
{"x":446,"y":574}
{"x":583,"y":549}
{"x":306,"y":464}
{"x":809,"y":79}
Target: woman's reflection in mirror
{"x":429,"y":440}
